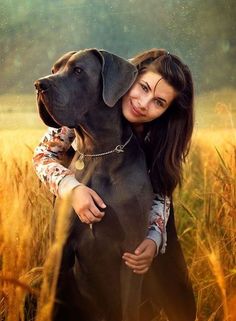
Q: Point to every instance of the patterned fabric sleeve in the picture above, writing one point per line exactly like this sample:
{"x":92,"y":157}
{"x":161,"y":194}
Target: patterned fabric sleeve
{"x":158,"y":218}
{"x":48,"y":156}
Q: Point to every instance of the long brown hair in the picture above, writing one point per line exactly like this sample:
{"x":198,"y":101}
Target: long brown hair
{"x":168,"y":137}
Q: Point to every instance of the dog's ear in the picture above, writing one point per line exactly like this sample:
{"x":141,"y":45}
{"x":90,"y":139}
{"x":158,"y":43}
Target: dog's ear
{"x":118,"y":76}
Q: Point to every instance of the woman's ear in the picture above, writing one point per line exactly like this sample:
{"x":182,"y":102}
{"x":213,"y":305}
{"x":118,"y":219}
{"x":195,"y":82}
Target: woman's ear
{"x":118,"y":75}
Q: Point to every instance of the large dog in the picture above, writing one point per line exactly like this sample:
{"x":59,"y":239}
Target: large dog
{"x":85,"y":93}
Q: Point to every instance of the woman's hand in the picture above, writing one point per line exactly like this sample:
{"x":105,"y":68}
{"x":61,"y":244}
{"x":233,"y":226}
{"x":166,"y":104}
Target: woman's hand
{"x":142,"y":258}
{"x":85,"y":202}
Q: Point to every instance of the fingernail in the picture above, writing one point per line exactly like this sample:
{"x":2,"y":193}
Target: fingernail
{"x":103,"y":205}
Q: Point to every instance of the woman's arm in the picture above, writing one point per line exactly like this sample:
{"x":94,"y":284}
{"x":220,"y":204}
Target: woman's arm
{"x":61,"y":181}
{"x":158,"y":217}
{"x":48,"y":157}
{"x":142,"y":258}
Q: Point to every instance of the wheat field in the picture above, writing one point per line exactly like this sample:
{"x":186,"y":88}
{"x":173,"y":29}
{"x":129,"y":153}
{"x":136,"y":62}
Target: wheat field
{"x":205,"y":209}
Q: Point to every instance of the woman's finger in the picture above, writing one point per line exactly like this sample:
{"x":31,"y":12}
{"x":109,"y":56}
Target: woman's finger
{"x":142,"y":271}
{"x":83,"y":219}
{"x":135,"y":267}
{"x":97,"y":199}
{"x":95,"y":211}
{"x":140,"y":257}
{"x":91,"y":217}
{"x":137,"y":262}
{"x":87,"y":217}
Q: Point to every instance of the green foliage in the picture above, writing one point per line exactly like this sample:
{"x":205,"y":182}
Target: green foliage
{"x":35,"y":33}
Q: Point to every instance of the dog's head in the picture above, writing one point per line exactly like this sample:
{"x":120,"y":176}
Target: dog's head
{"x":79,"y":82}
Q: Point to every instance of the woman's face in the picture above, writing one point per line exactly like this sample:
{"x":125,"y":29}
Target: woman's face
{"x":148,"y":98}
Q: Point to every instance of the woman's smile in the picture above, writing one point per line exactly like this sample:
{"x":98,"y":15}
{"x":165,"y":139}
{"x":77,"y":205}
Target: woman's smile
{"x":135,"y":110}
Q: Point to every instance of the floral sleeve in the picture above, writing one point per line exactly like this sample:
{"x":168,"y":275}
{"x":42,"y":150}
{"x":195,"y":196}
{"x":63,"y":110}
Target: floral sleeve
{"x":48,"y":156}
{"x":158,"y":218}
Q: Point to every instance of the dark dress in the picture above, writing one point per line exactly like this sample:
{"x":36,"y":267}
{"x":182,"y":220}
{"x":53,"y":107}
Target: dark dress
{"x":167,"y":284}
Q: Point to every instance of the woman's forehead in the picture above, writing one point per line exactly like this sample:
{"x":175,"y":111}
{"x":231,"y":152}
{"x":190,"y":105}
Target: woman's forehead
{"x":150,"y":76}
{"x":158,"y":84}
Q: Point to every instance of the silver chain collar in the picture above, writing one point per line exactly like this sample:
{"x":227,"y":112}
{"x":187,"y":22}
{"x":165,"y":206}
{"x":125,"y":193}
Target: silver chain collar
{"x":117,"y":149}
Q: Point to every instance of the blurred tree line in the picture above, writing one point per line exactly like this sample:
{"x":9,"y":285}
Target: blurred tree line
{"x":34,"y":33}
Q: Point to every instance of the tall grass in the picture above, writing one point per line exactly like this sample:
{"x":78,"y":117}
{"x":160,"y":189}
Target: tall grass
{"x":206,"y":222}
{"x":24,"y":229}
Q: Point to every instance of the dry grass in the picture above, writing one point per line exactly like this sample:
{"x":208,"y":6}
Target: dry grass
{"x":24,"y":232}
{"x":205,"y":214}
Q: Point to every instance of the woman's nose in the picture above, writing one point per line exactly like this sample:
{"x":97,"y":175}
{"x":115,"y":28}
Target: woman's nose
{"x":143,"y":102}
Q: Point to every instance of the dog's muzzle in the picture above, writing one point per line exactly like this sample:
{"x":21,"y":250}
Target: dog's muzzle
{"x":42,"y":85}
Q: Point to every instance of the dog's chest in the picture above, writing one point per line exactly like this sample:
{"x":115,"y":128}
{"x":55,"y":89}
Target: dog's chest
{"x":118,"y":185}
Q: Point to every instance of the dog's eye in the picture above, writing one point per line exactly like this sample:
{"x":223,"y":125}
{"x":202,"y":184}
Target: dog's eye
{"x":77,"y":70}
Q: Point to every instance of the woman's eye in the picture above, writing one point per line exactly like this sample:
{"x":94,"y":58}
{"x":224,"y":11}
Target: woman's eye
{"x":77,"y":70}
{"x":144,"y":87}
{"x":158,"y":103}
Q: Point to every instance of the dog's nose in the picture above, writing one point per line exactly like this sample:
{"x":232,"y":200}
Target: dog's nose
{"x":41,"y":84}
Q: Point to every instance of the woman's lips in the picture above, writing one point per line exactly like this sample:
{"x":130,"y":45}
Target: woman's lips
{"x":135,"y":110}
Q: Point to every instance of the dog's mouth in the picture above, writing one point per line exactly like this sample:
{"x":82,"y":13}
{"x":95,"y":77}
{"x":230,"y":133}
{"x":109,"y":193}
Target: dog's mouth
{"x":44,"y":111}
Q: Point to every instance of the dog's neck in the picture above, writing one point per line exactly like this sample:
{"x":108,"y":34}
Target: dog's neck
{"x":103,"y":130}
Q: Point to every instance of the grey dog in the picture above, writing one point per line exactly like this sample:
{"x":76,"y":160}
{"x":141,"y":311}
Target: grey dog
{"x":85,"y":93}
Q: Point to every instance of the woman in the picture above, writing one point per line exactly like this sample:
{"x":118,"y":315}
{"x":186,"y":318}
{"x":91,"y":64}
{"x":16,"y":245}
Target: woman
{"x":159,"y":107}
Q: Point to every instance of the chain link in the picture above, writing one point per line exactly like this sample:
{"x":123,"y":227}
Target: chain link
{"x":117,"y":149}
